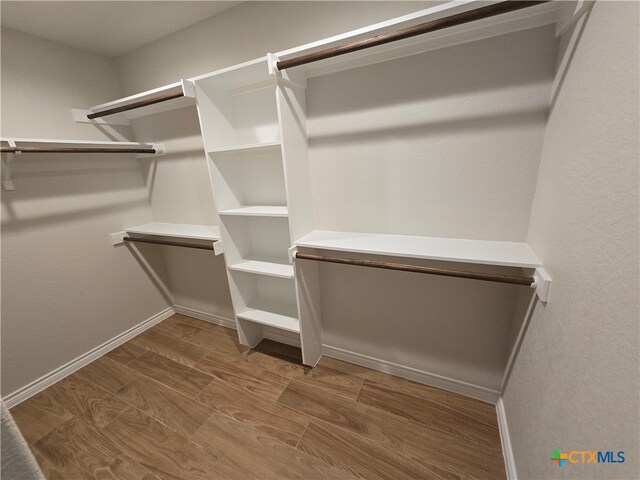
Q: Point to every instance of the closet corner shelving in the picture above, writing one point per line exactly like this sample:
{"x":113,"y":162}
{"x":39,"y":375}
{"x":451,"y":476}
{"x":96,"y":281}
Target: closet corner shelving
{"x":254,"y":130}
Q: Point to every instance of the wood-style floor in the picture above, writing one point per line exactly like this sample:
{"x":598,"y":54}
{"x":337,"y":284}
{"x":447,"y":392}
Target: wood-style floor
{"x":185,"y":401}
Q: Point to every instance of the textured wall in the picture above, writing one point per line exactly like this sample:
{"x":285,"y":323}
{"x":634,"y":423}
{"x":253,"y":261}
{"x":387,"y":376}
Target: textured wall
{"x":65,"y":289}
{"x":575,"y":383}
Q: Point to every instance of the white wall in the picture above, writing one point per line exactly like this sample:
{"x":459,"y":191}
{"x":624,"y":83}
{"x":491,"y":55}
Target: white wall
{"x":178,"y":184}
{"x":575,"y":383}
{"x":248,"y":31}
{"x":65,"y":288}
{"x":443,"y":144}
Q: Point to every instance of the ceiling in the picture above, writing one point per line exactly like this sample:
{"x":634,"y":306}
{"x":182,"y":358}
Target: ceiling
{"x":108,"y":28}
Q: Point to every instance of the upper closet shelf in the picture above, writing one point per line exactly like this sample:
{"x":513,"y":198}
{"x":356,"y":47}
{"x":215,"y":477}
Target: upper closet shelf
{"x":238,"y":79}
{"x":510,"y":254}
{"x":119,"y":112}
{"x":440,"y":33}
{"x":51,"y":145}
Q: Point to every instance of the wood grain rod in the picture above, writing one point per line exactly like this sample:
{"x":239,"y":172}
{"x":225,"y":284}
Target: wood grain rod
{"x":132,"y":106}
{"x":408,"y":32}
{"x":166,"y":242}
{"x":75,"y":150}
{"x":489,"y":277}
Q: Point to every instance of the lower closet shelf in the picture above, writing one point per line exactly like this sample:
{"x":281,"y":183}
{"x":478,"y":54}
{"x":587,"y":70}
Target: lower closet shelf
{"x":283,"y":322}
{"x":261,"y":267}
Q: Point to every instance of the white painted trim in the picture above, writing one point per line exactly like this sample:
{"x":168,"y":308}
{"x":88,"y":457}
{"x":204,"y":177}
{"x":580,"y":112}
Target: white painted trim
{"x":67,"y":369}
{"x":507,"y":452}
{"x":427,"y":378}
{"x":420,"y":376}
{"x":270,"y":333}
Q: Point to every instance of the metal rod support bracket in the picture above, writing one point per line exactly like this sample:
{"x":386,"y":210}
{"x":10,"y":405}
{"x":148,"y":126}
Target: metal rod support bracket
{"x":7,"y":165}
{"x":542,"y":284}
{"x":272,"y":61}
{"x":292,"y":253}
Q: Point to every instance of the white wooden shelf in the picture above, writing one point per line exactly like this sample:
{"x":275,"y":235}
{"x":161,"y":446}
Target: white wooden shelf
{"x":122,"y":118}
{"x":54,"y":142}
{"x":285,"y":319}
{"x":249,"y":148}
{"x":262,"y":267}
{"x":177,"y":230}
{"x":511,"y":254}
{"x":257,"y":211}
{"x":528,"y":18}
{"x":239,"y":78}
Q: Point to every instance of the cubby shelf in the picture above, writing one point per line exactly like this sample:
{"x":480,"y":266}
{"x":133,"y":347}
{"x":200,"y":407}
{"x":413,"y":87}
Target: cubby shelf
{"x":486,"y":252}
{"x":268,"y":317}
{"x":257,"y":211}
{"x":249,"y":148}
{"x":261,"y":267}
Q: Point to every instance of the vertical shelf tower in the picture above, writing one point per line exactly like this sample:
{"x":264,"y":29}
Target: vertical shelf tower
{"x":253,"y":122}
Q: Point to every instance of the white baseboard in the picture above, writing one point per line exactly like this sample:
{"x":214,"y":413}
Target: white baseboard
{"x":270,"y":333}
{"x":67,"y":369}
{"x":507,"y":452}
{"x":420,"y":376}
{"x":433,"y":380}
{"x":207,"y":317}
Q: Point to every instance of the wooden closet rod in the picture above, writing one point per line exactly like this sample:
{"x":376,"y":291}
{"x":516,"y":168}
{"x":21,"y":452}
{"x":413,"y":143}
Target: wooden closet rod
{"x":134,"y":105}
{"x":426,"y":27}
{"x":165,"y":242}
{"x":489,"y":277}
{"x":75,"y":150}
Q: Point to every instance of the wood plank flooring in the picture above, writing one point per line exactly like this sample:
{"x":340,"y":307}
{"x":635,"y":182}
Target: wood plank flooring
{"x":184,"y":400}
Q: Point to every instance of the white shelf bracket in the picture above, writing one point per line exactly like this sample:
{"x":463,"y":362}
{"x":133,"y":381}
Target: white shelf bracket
{"x":569,"y":14}
{"x":272,"y":61}
{"x":292,"y":253}
{"x":542,"y":284}
{"x":189,"y":88}
{"x":7,"y":164}
{"x":117,"y":238}
{"x":217,"y":248}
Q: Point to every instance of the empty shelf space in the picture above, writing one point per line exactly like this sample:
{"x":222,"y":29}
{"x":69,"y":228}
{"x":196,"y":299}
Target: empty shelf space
{"x":509,"y":254}
{"x":266,"y":316}
{"x":257,"y":211}
{"x":262,"y":267}
{"x":249,"y":148}
{"x":177,"y":230}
